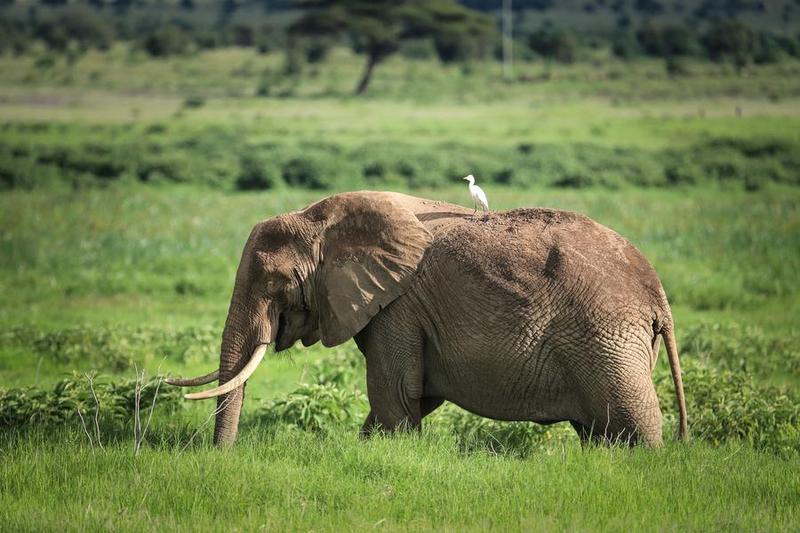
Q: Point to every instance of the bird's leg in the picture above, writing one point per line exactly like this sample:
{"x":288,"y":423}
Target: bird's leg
{"x":474,"y":211}
{"x":485,"y":214}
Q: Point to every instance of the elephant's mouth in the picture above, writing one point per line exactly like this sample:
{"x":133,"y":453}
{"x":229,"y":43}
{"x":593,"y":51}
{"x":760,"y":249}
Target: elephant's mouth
{"x":282,"y":343}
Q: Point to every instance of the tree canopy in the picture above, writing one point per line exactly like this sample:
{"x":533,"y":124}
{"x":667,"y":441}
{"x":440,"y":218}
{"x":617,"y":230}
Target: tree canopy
{"x":378,"y":27}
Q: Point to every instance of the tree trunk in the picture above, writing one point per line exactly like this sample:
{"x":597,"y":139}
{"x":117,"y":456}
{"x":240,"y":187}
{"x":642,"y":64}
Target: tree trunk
{"x":367,"y":76}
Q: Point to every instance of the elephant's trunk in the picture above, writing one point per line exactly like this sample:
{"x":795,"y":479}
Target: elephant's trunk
{"x":235,"y":367}
{"x":249,"y":329}
{"x":229,"y":406}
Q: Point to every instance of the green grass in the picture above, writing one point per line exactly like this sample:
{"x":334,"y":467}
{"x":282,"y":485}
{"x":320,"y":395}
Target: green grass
{"x":297,"y":480}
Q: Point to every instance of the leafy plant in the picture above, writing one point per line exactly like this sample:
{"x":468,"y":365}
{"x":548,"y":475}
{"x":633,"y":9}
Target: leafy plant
{"x":72,"y":398}
{"x":314,"y":407}
{"x":474,"y":433}
{"x":341,"y":368}
{"x":726,"y":406}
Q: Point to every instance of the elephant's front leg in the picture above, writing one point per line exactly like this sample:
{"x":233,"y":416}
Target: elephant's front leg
{"x":394,"y":377}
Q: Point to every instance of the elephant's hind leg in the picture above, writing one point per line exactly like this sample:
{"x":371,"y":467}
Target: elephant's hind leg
{"x":630,"y":420}
{"x":629,"y":415}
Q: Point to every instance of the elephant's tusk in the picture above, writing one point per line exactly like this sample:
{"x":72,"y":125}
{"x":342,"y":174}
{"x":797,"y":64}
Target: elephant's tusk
{"x":236,"y":381}
{"x":191,"y":382}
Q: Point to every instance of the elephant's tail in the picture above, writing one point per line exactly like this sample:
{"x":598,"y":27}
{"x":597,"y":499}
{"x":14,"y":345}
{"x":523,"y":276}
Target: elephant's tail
{"x":675,"y":367}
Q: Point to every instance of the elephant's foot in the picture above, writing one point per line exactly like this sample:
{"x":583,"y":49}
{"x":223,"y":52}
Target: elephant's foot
{"x":372,"y":426}
{"x":625,"y":424}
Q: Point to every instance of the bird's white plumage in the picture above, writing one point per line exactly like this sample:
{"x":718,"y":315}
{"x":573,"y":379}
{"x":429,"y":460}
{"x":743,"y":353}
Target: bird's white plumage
{"x":478,"y":196}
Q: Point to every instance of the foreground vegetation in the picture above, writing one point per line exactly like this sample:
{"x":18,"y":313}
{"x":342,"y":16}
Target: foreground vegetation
{"x":296,"y":480}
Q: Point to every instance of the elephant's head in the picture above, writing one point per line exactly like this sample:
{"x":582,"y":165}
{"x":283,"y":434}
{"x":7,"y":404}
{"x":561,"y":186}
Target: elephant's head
{"x":321,"y":273}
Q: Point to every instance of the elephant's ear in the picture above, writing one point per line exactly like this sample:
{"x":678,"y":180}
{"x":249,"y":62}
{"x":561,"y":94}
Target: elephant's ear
{"x":370,"y":249}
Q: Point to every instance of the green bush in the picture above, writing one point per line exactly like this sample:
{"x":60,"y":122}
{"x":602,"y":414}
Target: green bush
{"x":257,"y":174}
{"x":166,"y":41}
{"x":474,"y":433}
{"x":745,"y":349}
{"x":114,"y":348}
{"x":305,"y":172}
{"x":556,"y":44}
{"x":319,"y":408}
{"x":339,"y":367}
{"x":625,"y":45}
{"x":32,"y":406}
{"x":226,"y":157}
{"x":725,"y":406}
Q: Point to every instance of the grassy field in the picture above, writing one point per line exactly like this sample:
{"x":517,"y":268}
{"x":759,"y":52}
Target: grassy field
{"x":109,"y":272}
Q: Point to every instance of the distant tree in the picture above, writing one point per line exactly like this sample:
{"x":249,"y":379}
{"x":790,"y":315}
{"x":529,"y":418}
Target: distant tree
{"x":492,"y":5}
{"x":378,"y":27}
{"x":730,"y":39}
{"x":227,"y":8}
{"x":679,"y":41}
{"x":122,"y":6}
{"x":649,"y":7}
{"x":666,"y":41}
{"x":619,"y":6}
{"x":710,"y":9}
{"x":625,"y":45}
{"x":77,"y":24}
{"x":560,"y":45}
{"x":244,"y":35}
{"x":789,"y":45}
{"x":651,"y":39}
{"x":767,"y":49}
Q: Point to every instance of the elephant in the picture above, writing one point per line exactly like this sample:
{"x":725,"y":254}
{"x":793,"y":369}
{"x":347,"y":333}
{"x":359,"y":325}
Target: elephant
{"x":533,"y":314}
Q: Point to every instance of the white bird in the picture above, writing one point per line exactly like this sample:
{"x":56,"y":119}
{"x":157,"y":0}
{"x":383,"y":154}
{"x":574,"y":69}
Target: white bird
{"x":478,"y":196}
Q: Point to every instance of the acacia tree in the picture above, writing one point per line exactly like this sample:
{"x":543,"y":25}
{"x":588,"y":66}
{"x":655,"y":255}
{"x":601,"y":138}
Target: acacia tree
{"x":378,"y":27}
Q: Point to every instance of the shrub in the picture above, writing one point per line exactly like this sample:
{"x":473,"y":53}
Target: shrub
{"x":31,"y":406}
{"x":474,"y":433}
{"x":559,"y":45}
{"x":166,"y":41}
{"x":625,"y":45}
{"x":305,"y":172}
{"x":256,"y":174}
{"x":194,"y":101}
{"x":342,"y":368}
{"x":317,"y":51}
{"x":741,"y":348}
{"x":320,"y":408}
{"x":453,"y":46}
{"x":728,"y":406}
{"x":682,"y":172}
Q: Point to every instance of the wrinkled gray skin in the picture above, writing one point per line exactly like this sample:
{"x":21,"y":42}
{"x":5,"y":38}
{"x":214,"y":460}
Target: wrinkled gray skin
{"x":534,"y":314}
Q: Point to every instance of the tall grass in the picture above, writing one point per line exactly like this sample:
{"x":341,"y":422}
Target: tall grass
{"x":297,"y":480}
